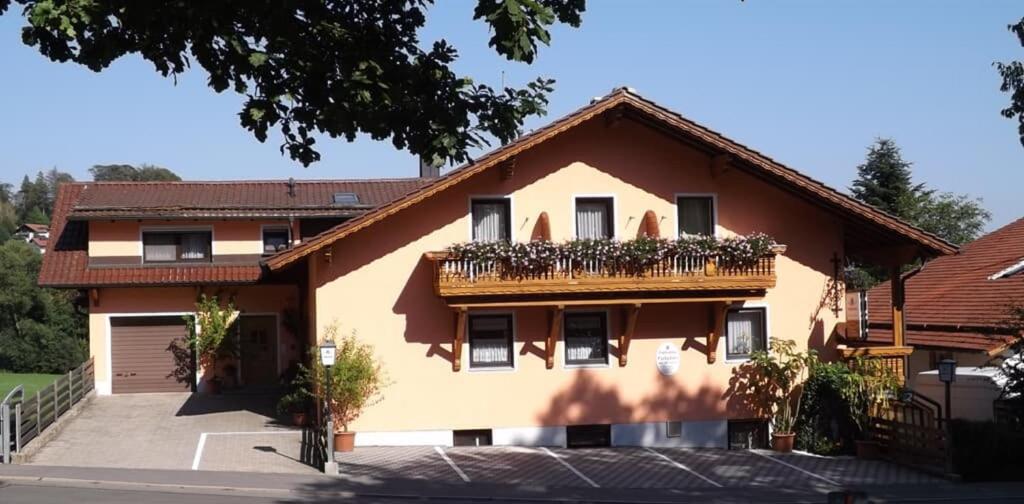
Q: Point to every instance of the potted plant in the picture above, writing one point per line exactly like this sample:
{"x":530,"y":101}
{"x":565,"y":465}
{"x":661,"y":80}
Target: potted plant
{"x":299,"y":397}
{"x":779,"y":377}
{"x":353,"y":383}
{"x":208,"y":332}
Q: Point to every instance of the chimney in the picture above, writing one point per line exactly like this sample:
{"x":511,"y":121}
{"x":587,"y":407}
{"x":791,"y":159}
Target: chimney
{"x":429,"y":170}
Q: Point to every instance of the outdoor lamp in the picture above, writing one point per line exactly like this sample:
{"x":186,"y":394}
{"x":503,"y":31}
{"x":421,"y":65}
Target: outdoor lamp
{"x":947,"y":370}
{"x":327,"y":349}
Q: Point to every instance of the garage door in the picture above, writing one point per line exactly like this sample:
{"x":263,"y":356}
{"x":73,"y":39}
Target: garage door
{"x":141,"y":359}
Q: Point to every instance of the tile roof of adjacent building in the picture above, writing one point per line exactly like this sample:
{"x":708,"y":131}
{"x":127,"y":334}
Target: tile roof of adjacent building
{"x":66,"y":262}
{"x":36,"y":228}
{"x":959,"y":293}
{"x":624,"y":100}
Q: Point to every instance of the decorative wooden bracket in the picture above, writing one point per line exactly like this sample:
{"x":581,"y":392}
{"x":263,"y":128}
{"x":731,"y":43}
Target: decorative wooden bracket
{"x":542,"y":230}
{"x":328,"y":253}
{"x":649,"y":225}
{"x":557,"y":314}
{"x":94,"y":296}
{"x":460,"y":337}
{"x":719,"y":164}
{"x":630,"y":316}
{"x":716,"y":326}
{"x":508,"y":168}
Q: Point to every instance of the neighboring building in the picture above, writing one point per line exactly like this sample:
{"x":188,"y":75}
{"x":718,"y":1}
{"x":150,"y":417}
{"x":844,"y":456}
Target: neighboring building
{"x":958,"y":306}
{"x":547,"y":359}
{"x":36,"y":235}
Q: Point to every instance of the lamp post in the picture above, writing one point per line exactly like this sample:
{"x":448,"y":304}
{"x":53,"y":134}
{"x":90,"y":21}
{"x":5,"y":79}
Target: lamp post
{"x":327,"y":354}
{"x":947,"y":375}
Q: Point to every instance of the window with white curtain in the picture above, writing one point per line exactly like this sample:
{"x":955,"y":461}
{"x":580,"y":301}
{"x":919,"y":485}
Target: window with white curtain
{"x":696,"y":215}
{"x":594,"y":218}
{"x":745,"y":332}
{"x":490,"y":341}
{"x":492,"y":219}
{"x":586,"y":338}
{"x":177,"y":246}
{"x":276,"y":239}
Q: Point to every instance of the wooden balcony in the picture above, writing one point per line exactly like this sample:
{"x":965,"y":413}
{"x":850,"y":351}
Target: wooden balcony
{"x":455,"y":277}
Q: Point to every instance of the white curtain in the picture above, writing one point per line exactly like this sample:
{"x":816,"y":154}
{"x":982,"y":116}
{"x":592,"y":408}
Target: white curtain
{"x":489,"y":222}
{"x":194,"y":246}
{"x":489,"y":341}
{"x":592,"y":220}
{"x":585,"y":338}
{"x":159,"y":247}
{"x":745,"y":332}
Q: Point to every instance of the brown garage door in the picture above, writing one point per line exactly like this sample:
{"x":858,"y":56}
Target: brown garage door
{"x":140,"y":358}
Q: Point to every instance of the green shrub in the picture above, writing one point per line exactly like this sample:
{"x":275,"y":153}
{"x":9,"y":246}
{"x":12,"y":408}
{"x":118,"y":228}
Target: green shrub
{"x":827,"y":422}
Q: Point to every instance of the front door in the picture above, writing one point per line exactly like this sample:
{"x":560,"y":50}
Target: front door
{"x":258,"y":342}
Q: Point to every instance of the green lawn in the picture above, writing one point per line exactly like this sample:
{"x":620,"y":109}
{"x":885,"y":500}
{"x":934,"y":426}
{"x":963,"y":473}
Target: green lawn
{"x":31,"y":381}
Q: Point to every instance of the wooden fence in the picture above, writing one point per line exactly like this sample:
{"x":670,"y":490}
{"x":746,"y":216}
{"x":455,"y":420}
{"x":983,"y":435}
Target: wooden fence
{"x":24,"y":419}
{"x":910,"y":433}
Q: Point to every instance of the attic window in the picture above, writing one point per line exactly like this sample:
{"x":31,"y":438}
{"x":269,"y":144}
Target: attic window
{"x":345,"y":198}
{"x":1012,"y":270}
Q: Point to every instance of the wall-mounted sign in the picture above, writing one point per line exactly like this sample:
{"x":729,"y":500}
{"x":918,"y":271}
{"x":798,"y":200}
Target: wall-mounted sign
{"x":667,"y":359}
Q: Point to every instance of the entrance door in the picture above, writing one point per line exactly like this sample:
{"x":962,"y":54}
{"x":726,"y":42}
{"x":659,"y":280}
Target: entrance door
{"x":258,"y":343}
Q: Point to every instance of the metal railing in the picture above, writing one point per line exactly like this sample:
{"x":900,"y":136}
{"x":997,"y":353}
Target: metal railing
{"x":23,"y":420}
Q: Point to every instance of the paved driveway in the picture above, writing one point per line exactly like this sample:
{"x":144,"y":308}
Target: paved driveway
{"x":624,"y":468}
{"x":177,"y":431}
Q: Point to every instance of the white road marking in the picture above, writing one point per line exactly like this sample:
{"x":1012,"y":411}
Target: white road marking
{"x":683,"y":467}
{"x":199,"y":452}
{"x":571,"y":468}
{"x":791,"y":466}
{"x":451,"y":463}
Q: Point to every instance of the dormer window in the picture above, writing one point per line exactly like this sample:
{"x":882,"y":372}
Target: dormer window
{"x":275,"y":239}
{"x":177,"y":246}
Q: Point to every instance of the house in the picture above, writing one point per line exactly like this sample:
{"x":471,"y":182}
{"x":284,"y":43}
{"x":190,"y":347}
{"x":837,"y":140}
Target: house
{"x":476,"y":353}
{"x":36,"y":235}
{"x":959,"y":306}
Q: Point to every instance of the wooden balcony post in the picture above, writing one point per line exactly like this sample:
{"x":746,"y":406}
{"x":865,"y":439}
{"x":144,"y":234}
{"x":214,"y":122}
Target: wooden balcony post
{"x":460,"y":336}
{"x":898,"y":324}
{"x":716,"y":326}
{"x":630,"y":316}
{"x":557,"y":313}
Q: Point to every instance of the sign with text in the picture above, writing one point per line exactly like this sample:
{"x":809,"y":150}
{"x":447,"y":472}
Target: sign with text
{"x":667,"y":359}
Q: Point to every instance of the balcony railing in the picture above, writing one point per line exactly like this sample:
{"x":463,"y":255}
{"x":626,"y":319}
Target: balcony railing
{"x":460,"y":277}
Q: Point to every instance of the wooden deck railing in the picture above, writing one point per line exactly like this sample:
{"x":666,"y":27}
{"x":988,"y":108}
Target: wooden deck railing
{"x":24,"y":419}
{"x":454,"y":276}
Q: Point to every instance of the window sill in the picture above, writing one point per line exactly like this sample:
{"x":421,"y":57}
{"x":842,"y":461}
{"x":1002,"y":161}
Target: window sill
{"x":736,"y":360}
{"x":595,"y":365}
{"x":503,"y":369}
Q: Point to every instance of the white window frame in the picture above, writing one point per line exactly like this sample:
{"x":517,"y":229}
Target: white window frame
{"x":615,"y":211}
{"x":274,"y":227}
{"x":469,"y":343}
{"x":714,"y":211}
{"x":511,"y":213}
{"x":724,"y":342}
{"x":174,"y":229}
{"x":608,"y":335}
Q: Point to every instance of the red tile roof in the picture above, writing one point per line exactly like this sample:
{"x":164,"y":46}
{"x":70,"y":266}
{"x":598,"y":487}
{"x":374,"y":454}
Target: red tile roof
{"x":66,"y":262}
{"x":956,"y":293}
{"x":234,"y":198}
{"x":858,"y":217}
{"x":36,"y":228}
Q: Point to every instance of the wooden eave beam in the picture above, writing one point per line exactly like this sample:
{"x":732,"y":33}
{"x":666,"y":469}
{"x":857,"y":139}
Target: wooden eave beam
{"x":460,"y":337}
{"x":507,"y":168}
{"x":557,"y":313}
{"x":876,"y":351}
{"x":630,"y":316}
{"x":94,"y":296}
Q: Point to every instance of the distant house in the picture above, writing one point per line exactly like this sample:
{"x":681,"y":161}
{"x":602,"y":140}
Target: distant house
{"x":37,"y":235}
{"x":958,"y":306}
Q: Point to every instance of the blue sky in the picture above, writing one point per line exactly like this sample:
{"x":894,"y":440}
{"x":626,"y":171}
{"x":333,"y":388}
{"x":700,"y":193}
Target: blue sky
{"x":808,"y":83}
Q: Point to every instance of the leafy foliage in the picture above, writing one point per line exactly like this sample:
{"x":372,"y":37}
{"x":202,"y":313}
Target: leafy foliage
{"x":129,"y":173}
{"x":1012,"y":73}
{"x":208,"y":331}
{"x":628,"y":257}
{"x":778,"y":375}
{"x":356,"y":378}
{"x":41,"y":330}
{"x":336,"y":68}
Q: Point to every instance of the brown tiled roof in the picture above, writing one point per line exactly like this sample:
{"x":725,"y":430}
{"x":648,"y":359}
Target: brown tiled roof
{"x":861,"y":216}
{"x":66,"y":262}
{"x":954,"y":340}
{"x":37,"y":228}
{"x":226,"y":199}
{"x":956,"y":293}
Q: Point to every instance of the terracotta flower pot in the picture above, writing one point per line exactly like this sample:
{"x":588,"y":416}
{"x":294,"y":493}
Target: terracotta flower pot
{"x":782,"y":443}
{"x":867,"y":450}
{"x":344,"y":441}
{"x":299,"y":418}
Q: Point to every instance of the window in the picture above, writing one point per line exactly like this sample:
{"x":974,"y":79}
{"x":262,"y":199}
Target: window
{"x":490,"y":341}
{"x":586,"y":338}
{"x":492,"y":219}
{"x":275,"y":239}
{"x":177,"y":246}
{"x":673,"y":429}
{"x":745,"y":332}
{"x":696,"y":215}
{"x":748,"y":434}
{"x":588,"y":436}
{"x":594,"y":218}
{"x":472,"y":437}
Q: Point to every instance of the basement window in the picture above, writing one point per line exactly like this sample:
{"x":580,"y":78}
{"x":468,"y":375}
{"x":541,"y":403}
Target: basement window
{"x":472,"y":437}
{"x":748,"y":434}
{"x":588,"y":436}
{"x":673,"y":429}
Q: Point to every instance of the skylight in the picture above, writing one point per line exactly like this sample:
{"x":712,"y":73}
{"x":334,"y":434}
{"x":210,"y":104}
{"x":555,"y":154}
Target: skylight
{"x":345,"y":198}
{"x":1012,"y":270}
